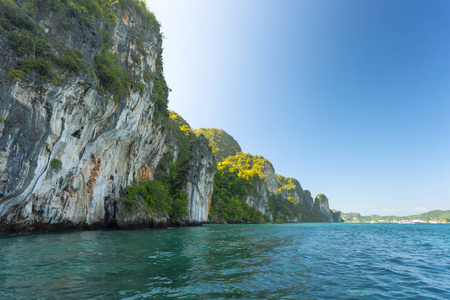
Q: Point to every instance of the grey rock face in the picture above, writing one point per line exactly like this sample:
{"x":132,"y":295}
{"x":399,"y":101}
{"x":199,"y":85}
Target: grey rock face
{"x":102,"y":145}
{"x":296,"y":194}
{"x":259,"y":198}
{"x":270,"y":179}
{"x":322,"y":201}
{"x":309,"y":201}
{"x":199,"y":181}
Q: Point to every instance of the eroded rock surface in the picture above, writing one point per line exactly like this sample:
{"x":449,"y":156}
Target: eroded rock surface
{"x":322,"y":202}
{"x":66,"y":150}
{"x":199,"y":181}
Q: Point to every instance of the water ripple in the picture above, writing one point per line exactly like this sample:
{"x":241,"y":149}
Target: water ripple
{"x":292,"y":261}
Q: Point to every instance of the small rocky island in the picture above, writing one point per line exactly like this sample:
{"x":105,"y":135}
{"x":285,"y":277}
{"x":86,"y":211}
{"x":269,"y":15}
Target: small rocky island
{"x":87,"y":140}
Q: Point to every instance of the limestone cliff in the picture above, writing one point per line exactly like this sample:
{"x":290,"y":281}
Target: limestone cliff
{"x":270,"y":177}
{"x":290,"y":188}
{"x":248,"y":190}
{"x":321,"y":201}
{"x":72,"y":139}
{"x":309,"y":201}
{"x":199,"y":181}
{"x":258,"y":197}
{"x":86,"y":138}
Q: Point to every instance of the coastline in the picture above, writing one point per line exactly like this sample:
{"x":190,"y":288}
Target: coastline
{"x":42,"y":228}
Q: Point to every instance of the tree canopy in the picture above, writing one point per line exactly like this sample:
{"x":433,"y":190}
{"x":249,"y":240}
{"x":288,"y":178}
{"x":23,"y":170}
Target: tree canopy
{"x":222,"y":144}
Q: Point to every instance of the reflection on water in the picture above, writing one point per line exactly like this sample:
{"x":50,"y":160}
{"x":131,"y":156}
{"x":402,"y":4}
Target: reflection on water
{"x":244,"y":261}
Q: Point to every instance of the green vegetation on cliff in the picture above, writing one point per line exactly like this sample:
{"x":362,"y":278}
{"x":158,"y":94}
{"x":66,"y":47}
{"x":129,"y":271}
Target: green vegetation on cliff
{"x":222,"y":144}
{"x":14,"y":16}
{"x":292,"y":202}
{"x":183,"y":133}
{"x":55,"y":165}
{"x":113,"y":78}
{"x":159,"y":194}
{"x":321,"y":198}
{"x":165,"y":193}
{"x":228,"y":200}
{"x":290,"y":186}
{"x":234,"y":180}
{"x":160,"y":92}
{"x":98,"y":9}
{"x":249,"y":167}
{"x":283,"y":209}
{"x":43,"y":56}
{"x":28,"y":40}
{"x":49,"y":58}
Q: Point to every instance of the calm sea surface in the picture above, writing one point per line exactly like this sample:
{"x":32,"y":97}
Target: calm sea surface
{"x":298,"y":261}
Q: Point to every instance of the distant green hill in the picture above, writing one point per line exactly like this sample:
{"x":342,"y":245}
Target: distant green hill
{"x":222,"y":144}
{"x":438,"y":215}
{"x":350,"y":216}
{"x":434,"y":215}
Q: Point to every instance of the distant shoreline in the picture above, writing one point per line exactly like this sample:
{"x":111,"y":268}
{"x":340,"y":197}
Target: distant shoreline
{"x":434,"y":216}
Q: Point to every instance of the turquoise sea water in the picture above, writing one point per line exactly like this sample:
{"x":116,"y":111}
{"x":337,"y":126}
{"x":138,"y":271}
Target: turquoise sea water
{"x":290,"y":261}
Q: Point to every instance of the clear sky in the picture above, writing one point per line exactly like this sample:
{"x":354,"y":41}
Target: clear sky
{"x":352,"y":98}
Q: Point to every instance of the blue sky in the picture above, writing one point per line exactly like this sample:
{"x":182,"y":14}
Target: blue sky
{"x":352,"y":98}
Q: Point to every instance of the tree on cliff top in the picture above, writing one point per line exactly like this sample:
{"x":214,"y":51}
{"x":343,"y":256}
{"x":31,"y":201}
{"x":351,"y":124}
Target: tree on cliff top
{"x":222,"y":144}
{"x":247,"y":166}
{"x":321,"y":198}
{"x":290,"y":186}
{"x":182,"y":133}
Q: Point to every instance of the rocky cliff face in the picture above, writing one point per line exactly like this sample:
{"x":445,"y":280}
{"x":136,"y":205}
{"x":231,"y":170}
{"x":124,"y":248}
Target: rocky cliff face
{"x":308,"y":199}
{"x":66,"y":149}
{"x":321,"y":201}
{"x":298,"y":193}
{"x":83,"y":114}
{"x":259,"y":197}
{"x":199,"y":181}
{"x":290,"y":188}
{"x":270,"y":179}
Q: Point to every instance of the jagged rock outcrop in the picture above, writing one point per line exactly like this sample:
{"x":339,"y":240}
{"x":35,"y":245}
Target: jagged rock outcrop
{"x":66,"y":150}
{"x":258,"y":197}
{"x":199,"y":181}
{"x":290,"y":188}
{"x":321,"y":201}
{"x":270,"y":178}
{"x":309,"y":201}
